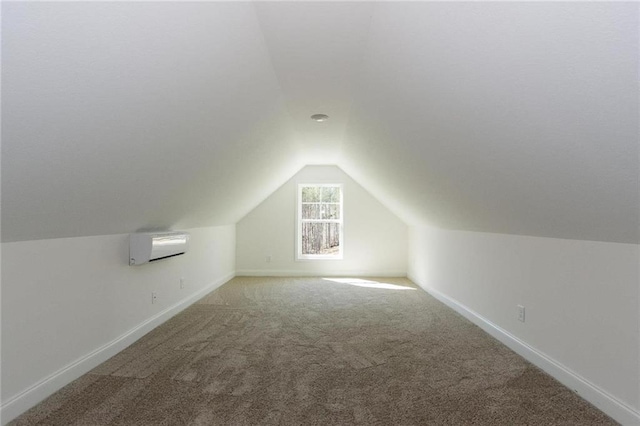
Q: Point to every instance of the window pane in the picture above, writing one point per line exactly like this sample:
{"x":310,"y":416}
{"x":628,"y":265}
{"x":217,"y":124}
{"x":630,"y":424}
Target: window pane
{"x":311,"y":211}
{"x":311,"y":194}
{"x":330,"y":195}
{"x":331,"y":211}
{"x":320,"y":238}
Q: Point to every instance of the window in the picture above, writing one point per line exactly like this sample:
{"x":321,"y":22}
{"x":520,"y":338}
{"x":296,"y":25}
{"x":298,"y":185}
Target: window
{"x":319,"y":233}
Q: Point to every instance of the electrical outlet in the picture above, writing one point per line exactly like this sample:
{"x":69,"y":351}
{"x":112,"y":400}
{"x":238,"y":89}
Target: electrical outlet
{"x":268,"y":259}
{"x":154,"y":296}
{"x":520,"y":313}
{"x":182,"y":282}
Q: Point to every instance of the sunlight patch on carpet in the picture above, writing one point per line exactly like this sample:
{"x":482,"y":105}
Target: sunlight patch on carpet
{"x":359,"y":282}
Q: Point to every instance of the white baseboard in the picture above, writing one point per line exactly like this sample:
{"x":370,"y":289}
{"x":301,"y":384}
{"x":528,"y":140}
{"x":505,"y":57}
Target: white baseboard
{"x":47,"y":386}
{"x":299,"y":273}
{"x":604,"y":401}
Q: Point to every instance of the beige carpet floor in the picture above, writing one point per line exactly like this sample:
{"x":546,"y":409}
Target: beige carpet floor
{"x":309,"y":351}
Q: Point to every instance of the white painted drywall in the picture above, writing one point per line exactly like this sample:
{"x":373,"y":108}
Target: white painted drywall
{"x":375,"y":240}
{"x":509,"y":117}
{"x":581,"y":297}
{"x":504,"y":117}
{"x":170,"y":109}
{"x":63,"y":299}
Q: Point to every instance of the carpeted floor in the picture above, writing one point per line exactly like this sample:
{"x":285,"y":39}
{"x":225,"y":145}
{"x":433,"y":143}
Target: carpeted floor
{"x":309,"y":351}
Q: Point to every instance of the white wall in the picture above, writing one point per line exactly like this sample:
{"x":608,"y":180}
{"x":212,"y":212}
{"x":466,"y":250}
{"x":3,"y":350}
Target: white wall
{"x":69,"y":304}
{"x":375,"y":240}
{"x":581,"y":300}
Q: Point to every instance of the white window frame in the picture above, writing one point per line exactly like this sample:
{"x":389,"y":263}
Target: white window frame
{"x":299,"y":221}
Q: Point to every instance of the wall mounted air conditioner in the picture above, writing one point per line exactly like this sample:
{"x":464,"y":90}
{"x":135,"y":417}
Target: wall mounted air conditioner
{"x":151,"y":246}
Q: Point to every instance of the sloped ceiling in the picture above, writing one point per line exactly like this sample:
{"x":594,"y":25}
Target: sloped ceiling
{"x":514,"y":118}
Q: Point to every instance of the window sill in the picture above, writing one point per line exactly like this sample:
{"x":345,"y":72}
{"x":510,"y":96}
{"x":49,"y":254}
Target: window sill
{"x":313,"y":258}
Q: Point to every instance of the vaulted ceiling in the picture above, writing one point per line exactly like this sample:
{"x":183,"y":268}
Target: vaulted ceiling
{"x":503,"y":117}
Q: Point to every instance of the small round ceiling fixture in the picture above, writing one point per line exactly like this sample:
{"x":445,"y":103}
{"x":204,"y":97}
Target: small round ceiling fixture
{"x":319,"y":117}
